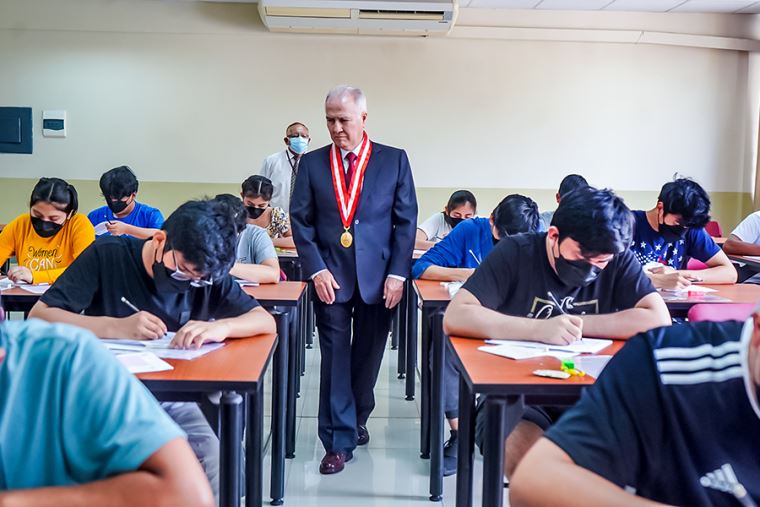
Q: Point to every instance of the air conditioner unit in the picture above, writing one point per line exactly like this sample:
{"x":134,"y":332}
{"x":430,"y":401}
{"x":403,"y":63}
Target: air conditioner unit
{"x":366,"y":17}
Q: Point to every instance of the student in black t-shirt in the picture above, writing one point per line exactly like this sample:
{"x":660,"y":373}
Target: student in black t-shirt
{"x":673,"y":419}
{"x":578,"y":279}
{"x":179,"y":281}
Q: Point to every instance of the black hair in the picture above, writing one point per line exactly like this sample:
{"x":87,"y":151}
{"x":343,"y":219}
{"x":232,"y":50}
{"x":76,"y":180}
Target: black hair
{"x":235,"y":208}
{"x":685,"y":197}
{"x":571,"y":182}
{"x":205,"y":234}
{"x":460,"y":198}
{"x":118,"y":183}
{"x":55,"y":191}
{"x":598,"y":220}
{"x":515,"y":214}
{"x":258,"y":186}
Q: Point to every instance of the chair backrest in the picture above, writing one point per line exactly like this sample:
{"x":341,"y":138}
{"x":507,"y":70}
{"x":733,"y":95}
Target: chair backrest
{"x":695,"y":265}
{"x":718,"y":312}
{"x":713,"y":229}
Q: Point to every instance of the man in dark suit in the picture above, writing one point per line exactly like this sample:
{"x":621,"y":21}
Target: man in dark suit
{"x":354,"y":216}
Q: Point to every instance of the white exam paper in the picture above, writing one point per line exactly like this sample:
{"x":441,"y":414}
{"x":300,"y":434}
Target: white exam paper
{"x":160,"y":347}
{"x":101,"y":228}
{"x":517,"y":352}
{"x":582,"y":346}
{"x":142,"y":362}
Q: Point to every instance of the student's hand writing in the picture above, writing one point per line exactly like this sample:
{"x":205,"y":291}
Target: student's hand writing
{"x":20,"y":274}
{"x":672,"y":281}
{"x":116,"y":228}
{"x":195,"y":333}
{"x":325,"y":285}
{"x":142,"y":326}
{"x":560,"y":330}
{"x":662,"y":269}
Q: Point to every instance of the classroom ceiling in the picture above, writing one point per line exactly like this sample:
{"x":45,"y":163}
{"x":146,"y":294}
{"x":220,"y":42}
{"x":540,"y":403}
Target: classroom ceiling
{"x":725,"y":6}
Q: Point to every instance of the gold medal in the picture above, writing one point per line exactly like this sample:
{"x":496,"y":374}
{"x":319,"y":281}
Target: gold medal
{"x":346,"y":239}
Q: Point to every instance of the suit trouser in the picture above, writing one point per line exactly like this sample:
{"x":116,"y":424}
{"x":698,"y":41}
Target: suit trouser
{"x":349,"y":367}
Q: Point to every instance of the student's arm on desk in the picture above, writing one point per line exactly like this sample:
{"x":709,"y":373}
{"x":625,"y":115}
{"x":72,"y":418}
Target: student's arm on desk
{"x":170,"y":477}
{"x":650,"y":312}
{"x":443,"y":274}
{"x":266,"y":272}
{"x":547,"y":476}
{"x":195,"y":333}
{"x":119,"y":228}
{"x":421,"y":241}
{"x":719,"y":270}
{"x":467,"y":318}
{"x":140,"y":326}
{"x":735,"y":246}
{"x":284,"y":242}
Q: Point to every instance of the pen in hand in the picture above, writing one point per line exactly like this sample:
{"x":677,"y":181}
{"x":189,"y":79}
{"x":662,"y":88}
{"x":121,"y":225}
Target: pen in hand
{"x":130,"y":305}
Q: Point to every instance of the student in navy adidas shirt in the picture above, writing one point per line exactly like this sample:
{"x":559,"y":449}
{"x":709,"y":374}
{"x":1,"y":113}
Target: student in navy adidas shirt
{"x":672,"y":232}
{"x":456,"y":256}
{"x":577,"y":279}
{"x":673,"y":419}
{"x":123,"y":215}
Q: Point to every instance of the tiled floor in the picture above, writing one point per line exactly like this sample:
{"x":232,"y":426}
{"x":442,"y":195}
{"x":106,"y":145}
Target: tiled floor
{"x":387,"y":472}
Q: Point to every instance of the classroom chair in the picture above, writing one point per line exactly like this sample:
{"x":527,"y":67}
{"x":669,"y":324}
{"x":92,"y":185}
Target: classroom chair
{"x":713,"y":229}
{"x":695,"y":264}
{"x":718,"y":312}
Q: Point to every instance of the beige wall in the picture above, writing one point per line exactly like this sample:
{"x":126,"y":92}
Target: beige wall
{"x":199,"y":93}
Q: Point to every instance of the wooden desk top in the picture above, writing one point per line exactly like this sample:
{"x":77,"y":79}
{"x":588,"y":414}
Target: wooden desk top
{"x":277,"y":294}
{"x":431,"y":293}
{"x":490,"y":373}
{"x":745,"y":293}
{"x":239,"y":365}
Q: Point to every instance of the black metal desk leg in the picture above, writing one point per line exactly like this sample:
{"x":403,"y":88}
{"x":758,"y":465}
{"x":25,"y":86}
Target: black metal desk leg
{"x":502,"y":415}
{"x":425,"y":386}
{"x":293,"y":379}
{"x":254,"y":436}
{"x":310,"y":322}
{"x":231,"y":437}
{"x":279,"y":397}
{"x":395,"y":328}
{"x":411,"y":343}
{"x":436,"y":411}
{"x":466,"y":444}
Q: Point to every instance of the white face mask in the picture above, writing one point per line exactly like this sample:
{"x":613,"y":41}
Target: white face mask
{"x":749,"y":383}
{"x":299,"y":144}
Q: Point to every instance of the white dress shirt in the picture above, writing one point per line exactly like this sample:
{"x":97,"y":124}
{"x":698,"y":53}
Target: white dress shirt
{"x":278,"y":167}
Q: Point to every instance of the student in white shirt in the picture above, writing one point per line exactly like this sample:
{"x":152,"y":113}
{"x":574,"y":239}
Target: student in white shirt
{"x":282,"y":167}
{"x":745,"y":239}
{"x":461,"y":206}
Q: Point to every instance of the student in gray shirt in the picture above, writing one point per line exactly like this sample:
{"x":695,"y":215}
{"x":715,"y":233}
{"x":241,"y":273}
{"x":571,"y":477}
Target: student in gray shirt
{"x":256,"y":258}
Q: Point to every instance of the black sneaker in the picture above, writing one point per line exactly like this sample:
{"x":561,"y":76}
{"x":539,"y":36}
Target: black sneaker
{"x":450,"y":455}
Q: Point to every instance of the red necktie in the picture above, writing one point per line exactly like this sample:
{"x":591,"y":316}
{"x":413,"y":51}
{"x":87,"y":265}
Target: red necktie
{"x":351,"y":156}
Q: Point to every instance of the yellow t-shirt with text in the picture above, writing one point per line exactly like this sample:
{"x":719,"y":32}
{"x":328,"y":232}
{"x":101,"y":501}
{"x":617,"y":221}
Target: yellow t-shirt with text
{"x":46,"y":258}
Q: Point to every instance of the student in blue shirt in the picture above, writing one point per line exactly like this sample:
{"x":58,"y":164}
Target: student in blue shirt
{"x":456,"y":256}
{"x":123,"y":215}
{"x":673,"y":419}
{"x":668,"y":235}
{"x":77,"y":429}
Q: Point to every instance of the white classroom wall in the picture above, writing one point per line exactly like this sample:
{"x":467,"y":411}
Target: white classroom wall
{"x":201,"y":92}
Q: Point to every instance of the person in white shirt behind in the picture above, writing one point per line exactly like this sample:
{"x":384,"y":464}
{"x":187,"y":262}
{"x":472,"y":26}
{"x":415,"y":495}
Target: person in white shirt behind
{"x":745,"y":240}
{"x":282,"y":167}
{"x":461,"y":206}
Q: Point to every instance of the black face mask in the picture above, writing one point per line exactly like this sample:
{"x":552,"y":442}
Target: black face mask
{"x":578,"y":273}
{"x":165,"y":284}
{"x":254,"y":212}
{"x":453,"y":222}
{"x":672,"y":233}
{"x":44,"y":228}
{"x":116,"y":207}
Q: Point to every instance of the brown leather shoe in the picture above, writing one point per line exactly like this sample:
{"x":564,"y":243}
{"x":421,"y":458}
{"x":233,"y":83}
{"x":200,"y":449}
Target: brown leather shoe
{"x":334,"y":462}
{"x":363,"y":435}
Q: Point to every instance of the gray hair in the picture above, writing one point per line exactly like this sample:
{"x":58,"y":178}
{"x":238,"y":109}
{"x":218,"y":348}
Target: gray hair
{"x":356,"y":94}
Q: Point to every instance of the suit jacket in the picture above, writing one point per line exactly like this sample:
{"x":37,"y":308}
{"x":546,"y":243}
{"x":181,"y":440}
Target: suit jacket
{"x":383,"y":227}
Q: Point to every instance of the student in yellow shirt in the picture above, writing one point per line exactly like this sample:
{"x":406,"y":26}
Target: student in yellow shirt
{"x":47,"y":239}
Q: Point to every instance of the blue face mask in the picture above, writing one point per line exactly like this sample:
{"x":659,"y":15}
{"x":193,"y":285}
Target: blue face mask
{"x":298,"y":144}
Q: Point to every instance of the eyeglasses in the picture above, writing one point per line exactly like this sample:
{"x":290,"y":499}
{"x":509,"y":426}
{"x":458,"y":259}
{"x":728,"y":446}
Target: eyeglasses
{"x":184,"y":277}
